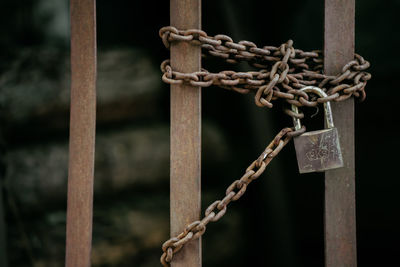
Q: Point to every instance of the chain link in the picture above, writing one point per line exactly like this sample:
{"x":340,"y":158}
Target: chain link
{"x":283,"y":70}
{"x":218,"y":208}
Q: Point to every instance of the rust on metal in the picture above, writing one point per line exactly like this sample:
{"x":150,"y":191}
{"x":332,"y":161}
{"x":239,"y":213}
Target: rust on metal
{"x":317,"y":151}
{"x":185,"y":181}
{"x":282,"y":70}
{"x":340,"y":217}
{"x":195,"y":229}
{"x":82,"y":133}
{"x":284,"y":73}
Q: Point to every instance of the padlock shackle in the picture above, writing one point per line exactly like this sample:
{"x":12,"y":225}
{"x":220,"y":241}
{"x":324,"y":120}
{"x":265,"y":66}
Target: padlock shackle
{"x":327,"y":107}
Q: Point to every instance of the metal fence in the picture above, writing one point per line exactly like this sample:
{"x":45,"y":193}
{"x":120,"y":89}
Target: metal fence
{"x":340,"y":237}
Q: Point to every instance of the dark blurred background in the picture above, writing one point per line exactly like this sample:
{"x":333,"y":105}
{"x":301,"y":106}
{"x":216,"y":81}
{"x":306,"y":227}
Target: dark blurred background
{"x":279,"y":222}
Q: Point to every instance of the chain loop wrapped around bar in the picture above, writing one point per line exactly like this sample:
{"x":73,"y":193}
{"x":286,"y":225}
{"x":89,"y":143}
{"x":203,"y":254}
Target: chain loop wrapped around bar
{"x":283,"y":70}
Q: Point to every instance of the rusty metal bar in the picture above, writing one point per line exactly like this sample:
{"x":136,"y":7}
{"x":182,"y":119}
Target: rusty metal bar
{"x":185,"y":181}
{"x":82,"y":133}
{"x":340,"y":217}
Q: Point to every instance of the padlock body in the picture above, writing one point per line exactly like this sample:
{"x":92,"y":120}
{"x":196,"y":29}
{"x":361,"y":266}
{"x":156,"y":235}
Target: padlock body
{"x":318,"y":151}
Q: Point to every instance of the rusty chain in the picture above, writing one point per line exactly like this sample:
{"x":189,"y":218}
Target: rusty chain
{"x":283,"y":71}
{"x":218,"y":208}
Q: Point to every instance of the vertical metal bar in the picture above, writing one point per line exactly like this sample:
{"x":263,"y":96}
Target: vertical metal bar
{"x":340,"y":217}
{"x":82,"y":133}
{"x":185,"y":181}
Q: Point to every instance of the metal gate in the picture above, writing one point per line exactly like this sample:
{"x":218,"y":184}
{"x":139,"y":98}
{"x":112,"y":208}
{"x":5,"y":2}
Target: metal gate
{"x":340,"y":232}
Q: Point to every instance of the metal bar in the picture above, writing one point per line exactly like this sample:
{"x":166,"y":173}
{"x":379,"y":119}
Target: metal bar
{"x":185,"y":181}
{"x":82,"y":133}
{"x":340,"y":216}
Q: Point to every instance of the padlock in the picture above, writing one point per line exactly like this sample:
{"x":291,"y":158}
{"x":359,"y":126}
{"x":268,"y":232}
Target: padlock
{"x":317,"y":151}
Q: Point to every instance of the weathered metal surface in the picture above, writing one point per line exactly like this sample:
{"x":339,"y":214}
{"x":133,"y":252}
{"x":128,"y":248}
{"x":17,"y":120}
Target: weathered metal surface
{"x":195,"y":229}
{"x":282,"y":70}
{"x":340,"y":222}
{"x":185,"y":181}
{"x":82,"y":133}
{"x":318,"y":151}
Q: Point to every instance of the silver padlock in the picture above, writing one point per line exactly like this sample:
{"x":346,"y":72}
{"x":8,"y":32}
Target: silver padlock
{"x":318,"y":151}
